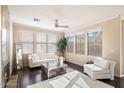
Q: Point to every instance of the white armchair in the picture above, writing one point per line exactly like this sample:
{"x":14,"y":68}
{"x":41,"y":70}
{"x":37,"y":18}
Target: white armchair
{"x":101,"y":69}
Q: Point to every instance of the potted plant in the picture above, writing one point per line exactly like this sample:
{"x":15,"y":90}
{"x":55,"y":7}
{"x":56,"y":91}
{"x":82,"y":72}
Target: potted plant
{"x":61,"y":46}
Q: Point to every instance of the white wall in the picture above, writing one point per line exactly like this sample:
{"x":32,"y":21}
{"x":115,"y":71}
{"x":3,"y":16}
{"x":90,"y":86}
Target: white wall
{"x":110,"y":46}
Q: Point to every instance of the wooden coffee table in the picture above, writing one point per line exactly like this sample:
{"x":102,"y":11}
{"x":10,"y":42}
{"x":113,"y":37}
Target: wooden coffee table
{"x":52,"y":69}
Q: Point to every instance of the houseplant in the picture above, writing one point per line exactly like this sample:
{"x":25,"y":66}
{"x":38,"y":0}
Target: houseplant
{"x":61,"y":46}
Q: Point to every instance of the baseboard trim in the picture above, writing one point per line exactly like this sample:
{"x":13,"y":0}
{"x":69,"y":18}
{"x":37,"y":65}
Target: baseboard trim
{"x":117,"y":75}
{"x":121,"y":75}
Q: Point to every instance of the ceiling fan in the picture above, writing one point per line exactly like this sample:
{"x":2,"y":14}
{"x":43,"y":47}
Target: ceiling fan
{"x":57,"y":24}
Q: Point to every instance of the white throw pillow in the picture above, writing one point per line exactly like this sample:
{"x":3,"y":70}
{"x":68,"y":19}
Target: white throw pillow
{"x":35,"y":57}
{"x":103,"y":63}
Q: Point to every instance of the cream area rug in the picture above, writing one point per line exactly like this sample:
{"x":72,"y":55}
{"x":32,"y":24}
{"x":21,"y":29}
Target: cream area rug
{"x":73,"y":79}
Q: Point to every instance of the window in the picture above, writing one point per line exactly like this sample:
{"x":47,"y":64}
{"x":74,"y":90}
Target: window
{"x":26,"y":36}
{"x":70,"y":44}
{"x":52,"y":39}
{"x":95,"y":43}
{"x":40,"y":42}
{"x":27,"y":42}
{"x":40,"y":37}
{"x":40,"y":48}
{"x":51,"y":48}
{"x":80,"y":44}
{"x":27,"y":48}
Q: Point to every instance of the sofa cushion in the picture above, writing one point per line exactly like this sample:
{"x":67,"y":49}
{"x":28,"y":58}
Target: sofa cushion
{"x":95,"y":69}
{"x":36,"y":64}
{"x":103,"y":63}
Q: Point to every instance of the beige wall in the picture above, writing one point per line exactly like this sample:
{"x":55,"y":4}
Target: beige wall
{"x":18,"y":28}
{"x":111,"y":43}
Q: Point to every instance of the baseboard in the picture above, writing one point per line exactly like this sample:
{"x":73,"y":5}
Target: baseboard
{"x":117,"y":75}
{"x":121,"y":75}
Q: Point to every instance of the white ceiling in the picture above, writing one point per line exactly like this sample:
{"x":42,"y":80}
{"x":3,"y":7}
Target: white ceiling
{"x":73,"y":16}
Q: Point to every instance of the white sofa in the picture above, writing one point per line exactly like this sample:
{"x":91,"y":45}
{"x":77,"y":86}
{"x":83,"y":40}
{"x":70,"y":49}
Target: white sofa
{"x":101,"y":69}
{"x":35,"y":60}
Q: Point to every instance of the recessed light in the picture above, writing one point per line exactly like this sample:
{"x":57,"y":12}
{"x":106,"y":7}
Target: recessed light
{"x":36,"y":20}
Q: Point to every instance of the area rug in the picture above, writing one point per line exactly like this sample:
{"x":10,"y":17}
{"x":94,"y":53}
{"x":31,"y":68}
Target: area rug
{"x":69,"y":70}
{"x":73,"y":79}
{"x":12,"y":82}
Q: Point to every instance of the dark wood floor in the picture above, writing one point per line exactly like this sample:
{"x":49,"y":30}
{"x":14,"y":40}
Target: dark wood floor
{"x":30,"y":76}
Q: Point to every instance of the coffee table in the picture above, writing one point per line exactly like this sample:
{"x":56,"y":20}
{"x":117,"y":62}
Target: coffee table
{"x":52,"y":69}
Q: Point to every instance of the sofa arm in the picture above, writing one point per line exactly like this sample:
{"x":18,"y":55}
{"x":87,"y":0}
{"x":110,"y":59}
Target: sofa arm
{"x":61,"y":59}
{"x":112,"y":69}
{"x":30,"y":61}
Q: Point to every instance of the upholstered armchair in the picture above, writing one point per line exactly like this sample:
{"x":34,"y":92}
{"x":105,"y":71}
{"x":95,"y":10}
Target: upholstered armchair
{"x":100,"y":69}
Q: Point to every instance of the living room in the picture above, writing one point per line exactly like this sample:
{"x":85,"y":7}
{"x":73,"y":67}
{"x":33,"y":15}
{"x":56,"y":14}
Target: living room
{"x":44,"y":46}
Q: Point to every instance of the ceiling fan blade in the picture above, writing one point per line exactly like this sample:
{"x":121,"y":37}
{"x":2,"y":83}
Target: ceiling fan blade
{"x":64,"y":26}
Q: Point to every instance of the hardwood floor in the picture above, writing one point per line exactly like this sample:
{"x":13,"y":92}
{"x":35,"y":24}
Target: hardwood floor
{"x":30,"y":76}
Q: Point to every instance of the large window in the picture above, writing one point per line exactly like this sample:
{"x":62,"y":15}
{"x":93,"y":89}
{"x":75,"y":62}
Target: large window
{"x":70,"y":44}
{"x":80,"y":44}
{"x":38,"y":42}
{"x":95,"y":43}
